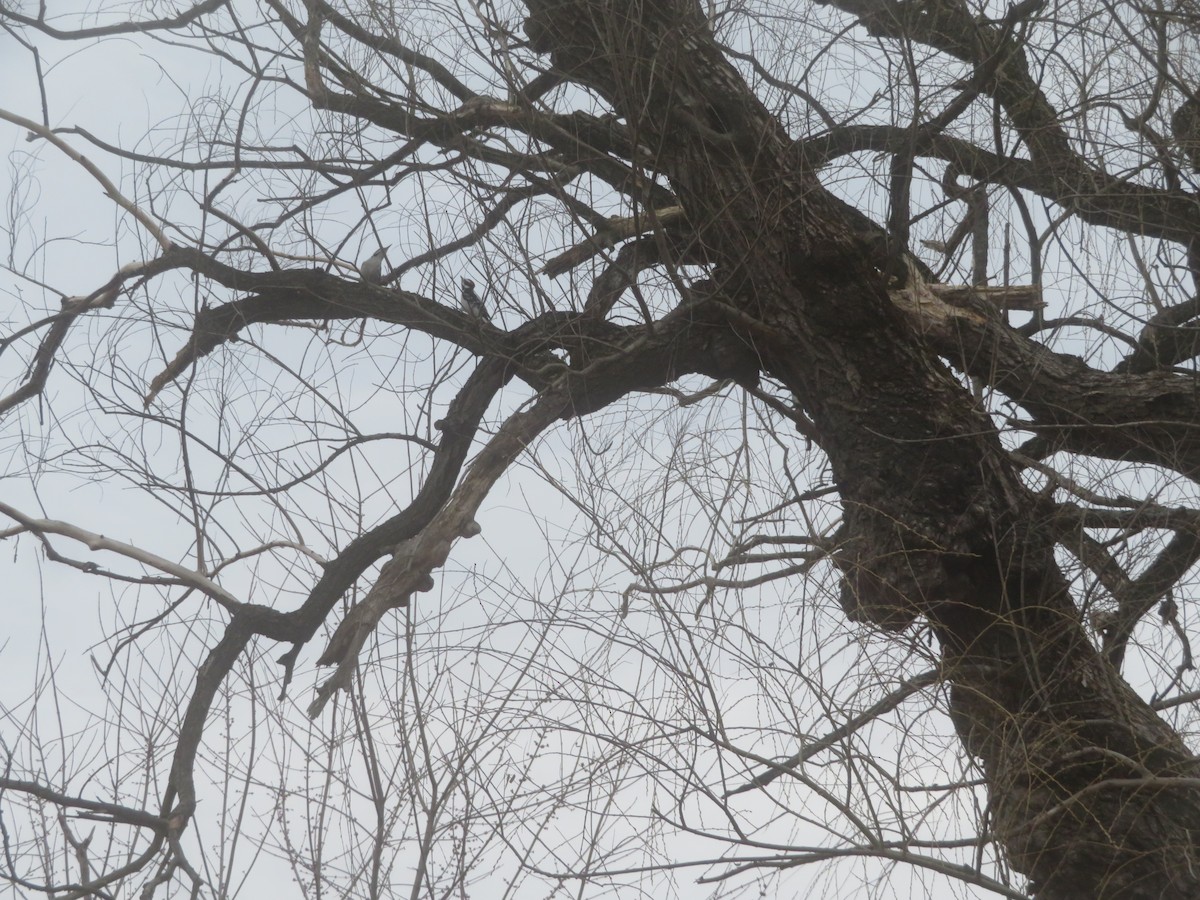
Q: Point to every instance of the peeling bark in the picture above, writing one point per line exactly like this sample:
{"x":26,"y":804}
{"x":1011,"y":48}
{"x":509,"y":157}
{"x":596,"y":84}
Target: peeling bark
{"x":1091,"y":793}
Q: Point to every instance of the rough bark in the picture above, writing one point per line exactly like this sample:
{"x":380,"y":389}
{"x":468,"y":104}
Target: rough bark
{"x":1091,"y":794}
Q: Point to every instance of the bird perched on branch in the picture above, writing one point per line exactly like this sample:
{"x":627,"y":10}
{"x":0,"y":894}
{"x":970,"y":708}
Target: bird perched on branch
{"x":371,"y":268}
{"x":471,"y":301}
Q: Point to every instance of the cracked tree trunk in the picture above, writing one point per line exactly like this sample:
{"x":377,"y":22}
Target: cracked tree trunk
{"x":1091,"y":793}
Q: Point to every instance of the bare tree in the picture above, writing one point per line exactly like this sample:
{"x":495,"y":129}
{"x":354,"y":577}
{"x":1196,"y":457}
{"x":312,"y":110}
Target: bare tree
{"x":817,"y":382}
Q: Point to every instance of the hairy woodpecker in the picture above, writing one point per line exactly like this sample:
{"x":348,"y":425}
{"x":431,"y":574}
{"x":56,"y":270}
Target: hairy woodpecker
{"x":471,"y":301}
{"x":371,"y":269}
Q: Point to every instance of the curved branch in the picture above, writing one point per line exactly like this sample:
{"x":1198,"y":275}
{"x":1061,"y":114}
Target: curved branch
{"x":392,"y":47}
{"x":95,"y":542}
{"x":1141,"y":417}
{"x":101,"y":811}
{"x":60,"y":324}
{"x":1111,"y":202}
{"x":165,"y":24}
{"x":680,"y":345}
{"x":110,"y":189}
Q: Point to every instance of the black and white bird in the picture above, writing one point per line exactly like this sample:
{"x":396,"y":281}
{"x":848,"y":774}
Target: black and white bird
{"x":471,"y":301}
{"x":371,"y":268}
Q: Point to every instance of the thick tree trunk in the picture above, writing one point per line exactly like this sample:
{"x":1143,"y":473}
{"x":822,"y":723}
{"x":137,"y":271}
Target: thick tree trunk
{"x":1091,"y":792}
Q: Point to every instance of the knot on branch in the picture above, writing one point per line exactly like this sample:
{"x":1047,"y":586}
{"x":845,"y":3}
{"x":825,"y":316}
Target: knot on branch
{"x":893,"y":573}
{"x":876,"y":590}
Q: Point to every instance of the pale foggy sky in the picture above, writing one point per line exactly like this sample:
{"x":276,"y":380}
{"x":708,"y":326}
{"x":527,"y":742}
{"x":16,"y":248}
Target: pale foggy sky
{"x":120,"y":90}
